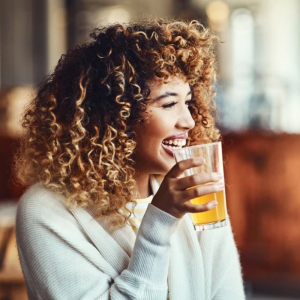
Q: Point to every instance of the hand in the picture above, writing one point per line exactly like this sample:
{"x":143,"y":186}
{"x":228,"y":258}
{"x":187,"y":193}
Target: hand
{"x":175,"y":193}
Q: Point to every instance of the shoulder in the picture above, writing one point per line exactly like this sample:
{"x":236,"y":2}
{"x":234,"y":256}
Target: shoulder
{"x":38,"y":199}
{"x":43,"y":219}
{"x":41,"y":205}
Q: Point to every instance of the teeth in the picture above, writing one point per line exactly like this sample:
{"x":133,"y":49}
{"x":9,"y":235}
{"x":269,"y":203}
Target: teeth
{"x":175,"y":143}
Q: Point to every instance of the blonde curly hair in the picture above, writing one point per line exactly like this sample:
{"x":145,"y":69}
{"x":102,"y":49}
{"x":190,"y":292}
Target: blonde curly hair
{"x":78,"y":139}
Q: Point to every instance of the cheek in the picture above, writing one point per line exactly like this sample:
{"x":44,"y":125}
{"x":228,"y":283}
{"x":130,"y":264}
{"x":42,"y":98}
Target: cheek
{"x":157,"y":128}
{"x":160,"y":127}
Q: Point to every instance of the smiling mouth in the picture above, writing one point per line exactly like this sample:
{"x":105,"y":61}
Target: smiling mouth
{"x":170,"y":145}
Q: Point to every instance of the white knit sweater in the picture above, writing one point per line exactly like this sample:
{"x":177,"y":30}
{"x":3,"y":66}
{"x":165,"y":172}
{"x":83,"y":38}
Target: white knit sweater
{"x":66,"y":254}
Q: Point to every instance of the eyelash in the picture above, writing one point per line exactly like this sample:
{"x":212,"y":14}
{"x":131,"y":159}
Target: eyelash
{"x":172,"y":104}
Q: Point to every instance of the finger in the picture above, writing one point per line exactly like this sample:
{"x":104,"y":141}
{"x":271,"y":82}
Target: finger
{"x":197,"y":179}
{"x":202,"y":190}
{"x":183,"y":165}
{"x":196,"y":208}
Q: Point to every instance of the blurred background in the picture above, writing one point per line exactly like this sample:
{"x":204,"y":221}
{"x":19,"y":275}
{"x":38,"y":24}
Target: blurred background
{"x":259,"y":115}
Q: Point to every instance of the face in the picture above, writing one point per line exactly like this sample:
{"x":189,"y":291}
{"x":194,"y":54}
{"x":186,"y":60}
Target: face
{"x":169,"y":121}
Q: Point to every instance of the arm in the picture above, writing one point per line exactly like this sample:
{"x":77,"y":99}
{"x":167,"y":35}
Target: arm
{"x":148,"y":267}
{"x":221,"y":262}
{"x":60,"y":262}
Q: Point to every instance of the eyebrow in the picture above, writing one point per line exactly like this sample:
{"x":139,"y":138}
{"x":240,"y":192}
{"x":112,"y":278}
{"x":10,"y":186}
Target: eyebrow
{"x":170,"y":94}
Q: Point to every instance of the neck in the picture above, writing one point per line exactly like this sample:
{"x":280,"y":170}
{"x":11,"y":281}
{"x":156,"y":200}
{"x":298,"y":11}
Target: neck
{"x":143,"y":185}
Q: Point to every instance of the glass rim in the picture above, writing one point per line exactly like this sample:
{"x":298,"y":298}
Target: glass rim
{"x":194,"y":146}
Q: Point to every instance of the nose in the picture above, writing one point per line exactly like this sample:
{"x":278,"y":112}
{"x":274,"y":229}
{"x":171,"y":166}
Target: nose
{"x":185,"y":120}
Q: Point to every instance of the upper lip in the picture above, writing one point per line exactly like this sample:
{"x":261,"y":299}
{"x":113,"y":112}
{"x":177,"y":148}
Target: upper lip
{"x":182,"y":135}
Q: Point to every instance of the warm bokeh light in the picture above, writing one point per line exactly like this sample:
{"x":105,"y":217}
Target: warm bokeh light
{"x":13,"y":103}
{"x":112,"y":14}
{"x":218,"y":14}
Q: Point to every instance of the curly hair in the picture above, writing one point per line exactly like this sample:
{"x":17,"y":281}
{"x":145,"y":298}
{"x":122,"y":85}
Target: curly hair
{"x":77,"y":137}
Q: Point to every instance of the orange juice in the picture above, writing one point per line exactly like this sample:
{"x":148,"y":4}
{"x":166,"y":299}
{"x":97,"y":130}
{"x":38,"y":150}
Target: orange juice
{"x":214,"y":215}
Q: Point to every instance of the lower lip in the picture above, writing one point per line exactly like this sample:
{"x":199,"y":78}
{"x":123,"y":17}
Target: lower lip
{"x":168,"y":151}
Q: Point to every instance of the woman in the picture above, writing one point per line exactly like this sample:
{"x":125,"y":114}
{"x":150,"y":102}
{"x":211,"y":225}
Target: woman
{"x":98,"y":146}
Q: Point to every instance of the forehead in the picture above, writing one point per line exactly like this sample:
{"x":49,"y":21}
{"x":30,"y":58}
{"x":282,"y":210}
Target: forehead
{"x":174,"y":84}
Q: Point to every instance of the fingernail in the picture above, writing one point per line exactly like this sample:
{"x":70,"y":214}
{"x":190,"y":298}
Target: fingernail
{"x":212,"y":204}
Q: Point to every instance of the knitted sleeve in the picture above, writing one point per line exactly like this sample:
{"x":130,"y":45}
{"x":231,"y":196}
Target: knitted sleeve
{"x":222,"y":262}
{"x":59,"y":261}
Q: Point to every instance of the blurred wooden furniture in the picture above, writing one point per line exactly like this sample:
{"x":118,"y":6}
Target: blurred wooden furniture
{"x":262,"y":172}
{"x":9,"y":189}
{"x":12,"y":285}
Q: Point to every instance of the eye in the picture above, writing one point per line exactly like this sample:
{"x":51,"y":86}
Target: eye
{"x":169,"y":105}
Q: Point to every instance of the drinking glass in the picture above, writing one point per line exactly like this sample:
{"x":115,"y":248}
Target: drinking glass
{"x":213,"y":162}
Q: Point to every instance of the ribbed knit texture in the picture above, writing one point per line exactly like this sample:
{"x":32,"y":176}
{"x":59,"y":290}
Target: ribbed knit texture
{"x":69,"y":255}
{"x":137,"y":214}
